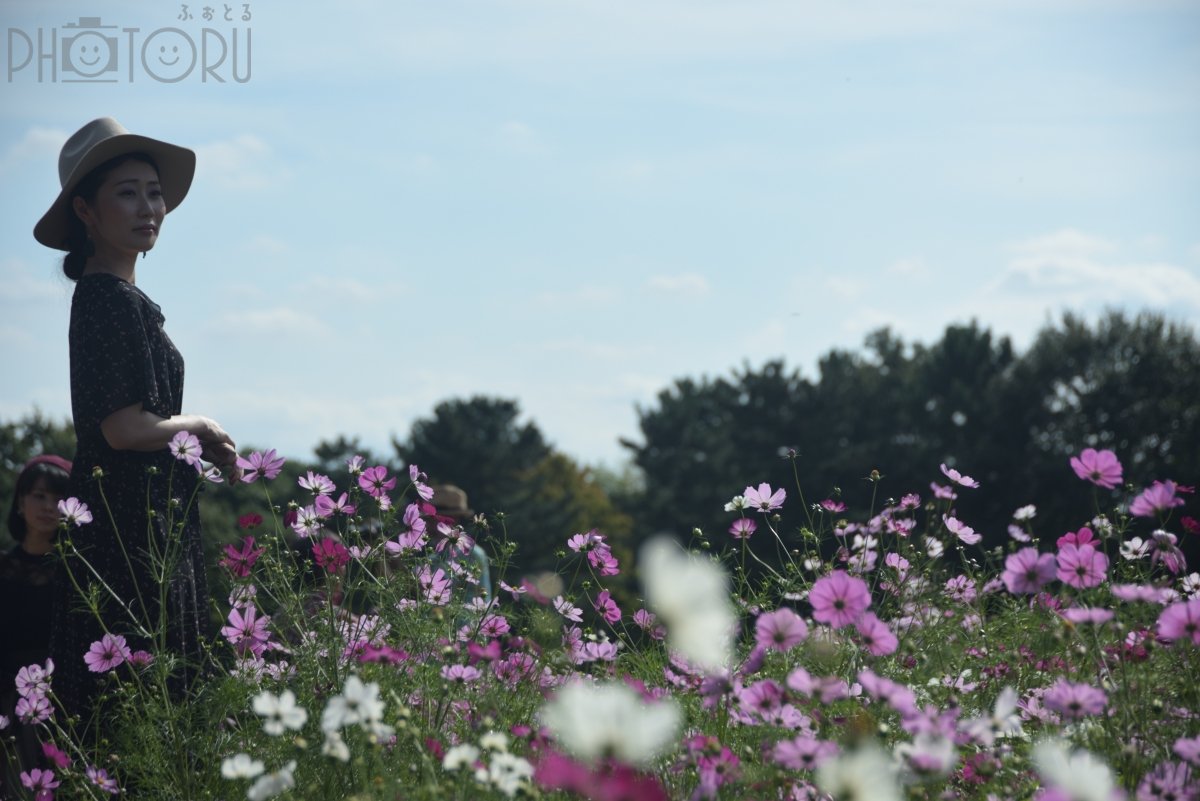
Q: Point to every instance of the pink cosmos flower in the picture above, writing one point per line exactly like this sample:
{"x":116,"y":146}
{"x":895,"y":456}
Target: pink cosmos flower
{"x":1188,"y":749}
{"x":247,"y":630}
{"x":607,"y":608}
{"x":330,"y":555}
{"x":763,"y":499}
{"x":839,"y":598}
{"x":942,"y":493}
{"x":1163,"y":548}
{"x":74,"y":512}
{"x":240,"y":561}
{"x":1169,"y":780}
{"x":316,"y":483}
{"x":780,"y":630}
{"x":354,"y":465}
{"x":1131,"y":593}
{"x":54,"y":754}
{"x":100,"y":778}
{"x":375,"y":482}
{"x":307,"y":522}
{"x":1081,"y":566}
{"x":580,"y":543}
{"x":568,"y":610}
{"x":876,"y":637}
{"x":1026,"y":571}
{"x":1075,"y":701}
{"x":1087,"y":614}
{"x":1158,"y":497}
{"x":898,"y":696}
{"x":1180,"y":621}
{"x":266,"y":464}
{"x":830,"y":505}
{"x":42,"y":782}
{"x":464,"y":674}
{"x":435,"y":585}
{"x":34,"y":680}
{"x":958,"y":478}
{"x":804,"y":752}
{"x":186,"y":448}
{"x":107,"y":653}
{"x":603,"y":561}
{"x":742,"y":528}
{"x":1084,"y":536}
{"x":961,"y":530}
{"x":327,"y":506}
{"x":1099,"y":467}
{"x":33,"y":709}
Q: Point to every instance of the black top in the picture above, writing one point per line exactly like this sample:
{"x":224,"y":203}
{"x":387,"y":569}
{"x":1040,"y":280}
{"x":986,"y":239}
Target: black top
{"x":120,"y":356}
{"x":25,"y":600}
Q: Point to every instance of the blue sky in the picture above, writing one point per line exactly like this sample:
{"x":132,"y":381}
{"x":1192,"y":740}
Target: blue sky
{"x":575,"y":203}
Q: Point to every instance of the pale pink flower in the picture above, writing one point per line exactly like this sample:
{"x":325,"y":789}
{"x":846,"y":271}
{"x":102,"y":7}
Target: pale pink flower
{"x":1087,"y":614}
{"x":32,"y":709}
{"x":186,"y":448}
{"x":100,"y":778}
{"x":247,"y":630}
{"x":1081,"y":566}
{"x":780,"y":630}
{"x":316,"y":483}
{"x":958,"y":478}
{"x":568,"y":610}
{"x":839,"y":598}
{"x":464,"y":674}
{"x":265,"y":464}
{"x":1180,"y":621}
{"x":34,"y":680}
{"x":1131,"y":593}
{"x":1188,"y":749}
{"x":742,"y":528}
{"x":961,"y":530}
{"x":107,"y":653}
{"x":41,"y":782}
{"x":1099,"y":467}
{"x":1158,"y":497}
{"x":1026,"y":571}
{"x":1075,"y":701}
{"x":74,"y":512}
{"x":763,"y":499}
{"x":326,"y":506}
{"x":877,"y":638}
{"x":804,"y":752}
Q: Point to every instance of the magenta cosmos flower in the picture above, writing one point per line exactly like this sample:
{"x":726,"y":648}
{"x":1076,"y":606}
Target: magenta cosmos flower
{"x":763,"y":499}
{"x":375,"y":482}
{"x":260,"y":463}
{"x":839,"y":599}
{"x":330,"y":555}
{"x":1081,"y":566}
{"x":107,"y":653}
{"x":1158,"y":497}
{"x":1102,"y":468}
{"x":742,"y":528}
{"x":1181,"y":621}
{"x":780,"y":630}
{"x":1027,"y":571}
{"x":1075,"y":701}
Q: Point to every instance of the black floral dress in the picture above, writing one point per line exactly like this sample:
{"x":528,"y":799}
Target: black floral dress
{"x":144,"y":503}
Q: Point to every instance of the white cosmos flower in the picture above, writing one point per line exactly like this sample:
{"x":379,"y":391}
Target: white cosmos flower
{"x":335,"y":747}
{"x":459,"y":756}
{"x":595,"y":721}
{"x":509,"y":773}
{"x":241,"y":766}
{"x":494,"y":741}
{"x":1079,"y":774}
{"x":690,"y":595}
{"x":1004,"y":720}
{"x":280,"y":712}
{"x":273,"y":784}
{"x":358,"y":703}
{"x":864,"y":774}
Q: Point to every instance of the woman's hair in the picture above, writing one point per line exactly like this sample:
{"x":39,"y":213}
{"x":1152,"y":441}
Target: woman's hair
{"x":80,"y":247}
{"x":57,"y":481}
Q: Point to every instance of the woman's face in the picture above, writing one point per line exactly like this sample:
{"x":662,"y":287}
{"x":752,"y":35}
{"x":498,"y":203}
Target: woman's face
{"x":39,"y":507}
{"x":128,"y":210}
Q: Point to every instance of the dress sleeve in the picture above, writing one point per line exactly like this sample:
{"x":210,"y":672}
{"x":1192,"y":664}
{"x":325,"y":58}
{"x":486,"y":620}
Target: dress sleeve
{"x":112,"y":356}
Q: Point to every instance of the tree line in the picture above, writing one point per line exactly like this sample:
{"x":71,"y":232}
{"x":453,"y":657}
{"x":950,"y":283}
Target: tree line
{"x":893,"y":410}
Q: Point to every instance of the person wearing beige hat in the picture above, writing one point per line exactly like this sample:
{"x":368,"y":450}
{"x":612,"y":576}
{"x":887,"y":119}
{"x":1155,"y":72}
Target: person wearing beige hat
{"x":126,"y":398}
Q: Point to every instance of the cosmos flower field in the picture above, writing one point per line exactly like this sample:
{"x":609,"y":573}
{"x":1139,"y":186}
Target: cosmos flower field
{"x":882,"y":654}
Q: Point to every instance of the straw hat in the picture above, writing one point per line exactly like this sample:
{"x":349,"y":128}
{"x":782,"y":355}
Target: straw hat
{"x":451,"y":501}
{"x":96,"y":143}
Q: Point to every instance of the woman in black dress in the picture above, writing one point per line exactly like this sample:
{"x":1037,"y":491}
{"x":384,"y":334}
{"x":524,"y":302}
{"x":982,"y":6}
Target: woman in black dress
{"x":26,"y":576}
{"x":127,"y":398}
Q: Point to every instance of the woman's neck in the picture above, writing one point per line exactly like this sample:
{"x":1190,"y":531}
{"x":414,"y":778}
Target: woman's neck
{"x":37,"y":544}
{"x":122,"y":265}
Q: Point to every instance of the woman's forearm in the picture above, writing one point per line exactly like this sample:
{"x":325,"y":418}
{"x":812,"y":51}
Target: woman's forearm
{"x":135,"y":429}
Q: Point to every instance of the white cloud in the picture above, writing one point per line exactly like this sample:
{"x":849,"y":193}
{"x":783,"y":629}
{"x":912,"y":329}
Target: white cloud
{"x":590,"y":295}
{"x":1065,"y":242}
{"x":844,"y":287}
{"x":519,"y":137}
{"x":277,"y":322}
{"x":244,"y":162}
{"x":20,"y":284}
{"x":909,"y":268}
{"x":684,"y":284}
{"x":40,"y":145}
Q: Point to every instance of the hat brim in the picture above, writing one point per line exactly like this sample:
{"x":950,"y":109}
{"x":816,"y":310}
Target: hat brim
{"x":176,"y":168}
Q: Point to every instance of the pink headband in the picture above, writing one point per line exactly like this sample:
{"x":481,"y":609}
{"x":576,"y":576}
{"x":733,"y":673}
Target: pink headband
{"x":49,"y":458}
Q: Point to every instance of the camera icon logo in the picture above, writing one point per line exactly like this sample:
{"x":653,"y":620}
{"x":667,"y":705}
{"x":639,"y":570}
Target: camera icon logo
{"x":89,"y":51}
